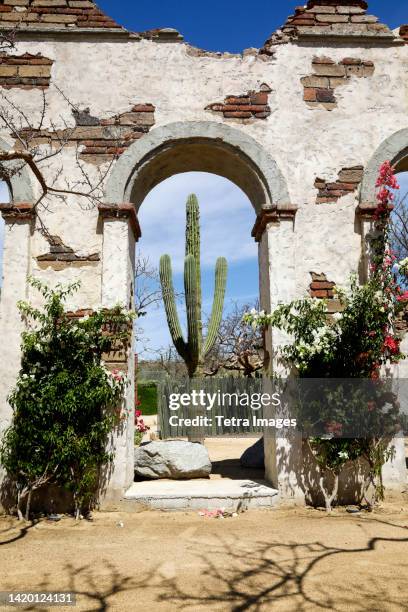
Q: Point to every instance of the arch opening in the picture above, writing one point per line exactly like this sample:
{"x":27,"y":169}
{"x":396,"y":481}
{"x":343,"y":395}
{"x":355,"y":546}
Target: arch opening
{"x":226,"y":218}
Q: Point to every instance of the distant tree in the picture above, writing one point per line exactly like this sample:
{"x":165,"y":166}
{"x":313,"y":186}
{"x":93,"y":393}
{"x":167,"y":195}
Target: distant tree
{"x":238,"y":348}
{"x":399,"y":226}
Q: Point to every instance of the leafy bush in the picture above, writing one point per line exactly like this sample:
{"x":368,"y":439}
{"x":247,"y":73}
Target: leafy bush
{"x":147,"y":396}
{"x":65,"y":402}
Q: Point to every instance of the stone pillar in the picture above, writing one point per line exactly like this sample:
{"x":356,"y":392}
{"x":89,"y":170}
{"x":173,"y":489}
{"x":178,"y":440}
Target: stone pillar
{"x":120,"y":233}
{"x":274,"y":230}
{"x":16,"y":267}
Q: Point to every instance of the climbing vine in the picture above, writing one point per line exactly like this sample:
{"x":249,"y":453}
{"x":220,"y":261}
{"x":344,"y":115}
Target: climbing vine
{"x":354,"y":344}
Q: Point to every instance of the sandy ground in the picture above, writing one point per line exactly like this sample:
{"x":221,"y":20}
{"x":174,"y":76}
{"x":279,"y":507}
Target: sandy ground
{"x":285,"y":559}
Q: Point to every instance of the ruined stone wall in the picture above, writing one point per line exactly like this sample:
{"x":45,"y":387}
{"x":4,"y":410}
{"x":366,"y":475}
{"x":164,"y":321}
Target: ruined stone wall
{"x":308,"y":144}
{"x":319,"y":99}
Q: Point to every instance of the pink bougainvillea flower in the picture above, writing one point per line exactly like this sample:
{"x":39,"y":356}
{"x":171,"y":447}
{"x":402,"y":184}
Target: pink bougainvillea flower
{"x":392,"y":345}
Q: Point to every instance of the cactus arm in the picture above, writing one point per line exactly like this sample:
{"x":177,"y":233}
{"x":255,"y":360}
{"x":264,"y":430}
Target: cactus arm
{"x":193,"y":247}
{"x":193,"y":321}
{"x":218,"y":304}
{"x":166,"y":279}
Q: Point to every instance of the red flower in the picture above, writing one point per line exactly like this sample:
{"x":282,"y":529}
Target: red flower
{"x":403,"y":297}
{"x":138,"y":413}
{"x":391,"y":344}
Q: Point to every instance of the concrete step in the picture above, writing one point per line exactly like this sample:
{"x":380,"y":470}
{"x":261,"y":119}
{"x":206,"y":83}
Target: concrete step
{"x":200,"y":494}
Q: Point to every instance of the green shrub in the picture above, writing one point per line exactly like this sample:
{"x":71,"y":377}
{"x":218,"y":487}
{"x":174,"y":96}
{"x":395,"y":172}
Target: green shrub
{"x":65,"y":402}
{"x":147,"y":397}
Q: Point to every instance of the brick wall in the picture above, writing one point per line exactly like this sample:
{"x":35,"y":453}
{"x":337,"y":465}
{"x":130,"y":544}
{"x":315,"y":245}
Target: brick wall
{"x":320,"y":287}
{"x":348,"y":181}
{"x":319,"y":87}
{"x":328,"y":18}
{"x":60,"y":252}
{"x":66,"y":14}
{"x":253,"y":104}
{"x":100,"y":140}
{"x":25,"y":71}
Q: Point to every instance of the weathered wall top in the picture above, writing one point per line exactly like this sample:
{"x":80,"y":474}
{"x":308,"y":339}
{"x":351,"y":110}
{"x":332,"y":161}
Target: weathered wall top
{"x":55,"y":14}
{"x":319,"y":18}
{"x":330,"y":18}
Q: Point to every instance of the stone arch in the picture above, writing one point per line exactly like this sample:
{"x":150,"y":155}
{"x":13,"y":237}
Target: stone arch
{"x":197,"y":146}
{"x":395,"y":149}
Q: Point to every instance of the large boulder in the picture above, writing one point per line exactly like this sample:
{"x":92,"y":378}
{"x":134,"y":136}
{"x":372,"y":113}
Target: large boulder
{"x":173,"y":459}
{"x":254,"y":456}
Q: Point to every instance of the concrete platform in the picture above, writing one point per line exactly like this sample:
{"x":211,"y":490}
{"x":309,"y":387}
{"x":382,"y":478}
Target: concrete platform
{"x":200,"y":494}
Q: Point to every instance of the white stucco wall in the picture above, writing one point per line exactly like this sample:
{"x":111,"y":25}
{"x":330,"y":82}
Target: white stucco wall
{"x":110,"y":77}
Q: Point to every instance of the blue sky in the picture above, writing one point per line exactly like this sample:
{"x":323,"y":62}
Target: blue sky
{"x":227,"y":218}
{"x":218,"y":25}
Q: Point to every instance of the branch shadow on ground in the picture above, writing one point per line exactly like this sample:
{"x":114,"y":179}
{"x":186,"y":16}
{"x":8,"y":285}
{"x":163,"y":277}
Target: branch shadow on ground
{"x":23,"y":528}
{"x":95,"y":586}
{"x":284,"y":576}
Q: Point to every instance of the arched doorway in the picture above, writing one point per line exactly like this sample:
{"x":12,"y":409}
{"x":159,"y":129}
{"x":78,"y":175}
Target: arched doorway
{"x":195,"y":147}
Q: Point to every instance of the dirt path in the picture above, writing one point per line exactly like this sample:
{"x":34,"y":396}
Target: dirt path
{"x":287,"y":559}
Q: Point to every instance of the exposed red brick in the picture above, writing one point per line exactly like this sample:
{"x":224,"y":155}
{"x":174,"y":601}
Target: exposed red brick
{"x":327,"y":18}
{"x":253,"y":104}
{"x":25,"y":71}
{"x":19,"y":210}
{"x":75,"y":14}
{"x":237,"y":115}
{"x":319,"y":87}
{"x":60,"y":252}
{"x":321,"y":287}
{"x":332,"y":191}
{"x":403,"y":32}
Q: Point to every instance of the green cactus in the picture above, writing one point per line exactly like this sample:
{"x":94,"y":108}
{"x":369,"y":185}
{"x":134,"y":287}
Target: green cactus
{"x":194,"y":351}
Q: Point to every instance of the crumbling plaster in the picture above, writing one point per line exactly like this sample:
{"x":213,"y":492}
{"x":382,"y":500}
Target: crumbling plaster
{"x":285,"y":153}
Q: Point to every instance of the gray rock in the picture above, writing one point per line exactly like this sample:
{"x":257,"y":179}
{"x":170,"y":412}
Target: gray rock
{"x":173,"y":459}
{"x":254,"y":456}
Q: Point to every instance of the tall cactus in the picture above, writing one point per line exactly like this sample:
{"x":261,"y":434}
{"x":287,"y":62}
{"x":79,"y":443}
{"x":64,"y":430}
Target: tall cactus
{"x":194,"y":351}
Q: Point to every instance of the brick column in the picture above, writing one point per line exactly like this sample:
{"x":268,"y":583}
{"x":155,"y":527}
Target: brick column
{"x":120,"y":233}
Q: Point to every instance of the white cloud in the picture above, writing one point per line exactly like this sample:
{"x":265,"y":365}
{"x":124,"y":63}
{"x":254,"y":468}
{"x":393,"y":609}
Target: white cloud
{"x":227,"y":218}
